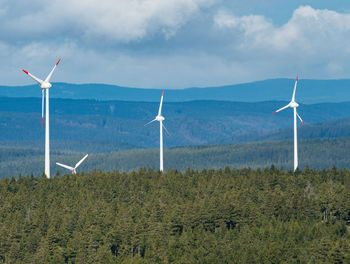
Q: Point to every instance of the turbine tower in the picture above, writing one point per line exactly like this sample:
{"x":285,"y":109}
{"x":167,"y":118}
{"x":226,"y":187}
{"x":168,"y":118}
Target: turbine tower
{"x":294,"y":105}
{"x":160,"y":119}
{"x":45,"y":86}
{"x":73,"y":170}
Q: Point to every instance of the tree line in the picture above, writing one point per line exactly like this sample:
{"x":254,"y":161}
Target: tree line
{"x":315,"y":153}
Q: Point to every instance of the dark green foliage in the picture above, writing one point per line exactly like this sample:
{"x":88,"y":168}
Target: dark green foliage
{"x":224,"y":216}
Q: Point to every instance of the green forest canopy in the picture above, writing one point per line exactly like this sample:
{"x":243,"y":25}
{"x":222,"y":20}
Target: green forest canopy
{"x":208,"y":216}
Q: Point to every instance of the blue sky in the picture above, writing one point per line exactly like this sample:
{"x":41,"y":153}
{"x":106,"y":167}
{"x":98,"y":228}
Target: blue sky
{"x":174,"y":43}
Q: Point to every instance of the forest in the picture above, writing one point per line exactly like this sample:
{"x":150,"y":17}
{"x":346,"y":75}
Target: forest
{"x":314,"y":153}
{"x":209,"y":216}
{"x":121,"y":123}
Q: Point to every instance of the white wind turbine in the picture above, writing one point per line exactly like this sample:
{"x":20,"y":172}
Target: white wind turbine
{"x":294,"y":105}
{"x":45,"y":86}
{"x":73,"y":170}
{"x":160,"y":119}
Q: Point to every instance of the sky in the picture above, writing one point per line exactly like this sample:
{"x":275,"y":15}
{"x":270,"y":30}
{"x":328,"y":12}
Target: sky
{"x":174,"y":44}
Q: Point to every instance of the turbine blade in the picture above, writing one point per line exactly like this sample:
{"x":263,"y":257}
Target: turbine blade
{"x":39,"y":81}
{"x":150,"y":122}
{"x":160,"y":106}
{"x":300,"y":118}
{"x":53,"y":69}
{"x":284,"y":107}
{"x":166,"y":130}
{"x":42,"y":108}
{"x":295,"y":87}
{"x":65,"y":166}
{"x":77,"y":165}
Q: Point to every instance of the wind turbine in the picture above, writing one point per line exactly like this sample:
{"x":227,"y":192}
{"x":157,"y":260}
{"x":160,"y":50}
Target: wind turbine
{"x":294,"y":105}
{"x":73,"y":170}
{"x":45,"y":85}
{"x":160,"y":119}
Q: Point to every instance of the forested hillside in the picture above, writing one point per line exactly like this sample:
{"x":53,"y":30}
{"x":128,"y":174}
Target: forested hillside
{"x":315,"y":153}
{"x":100,"y":126}
{"x":328,"y":129}
{"x":225,"y":216}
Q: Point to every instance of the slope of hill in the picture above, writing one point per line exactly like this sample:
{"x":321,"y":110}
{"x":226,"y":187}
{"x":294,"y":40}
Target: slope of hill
{"x":309,"y":91}
{"x":315,"y":153}
{"x":113,"y":125}
{"x":327,"y":129}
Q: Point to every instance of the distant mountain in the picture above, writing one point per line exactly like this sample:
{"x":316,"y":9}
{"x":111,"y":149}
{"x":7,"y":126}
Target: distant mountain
{"x":309,"y":91}
{"x":100,"y":126}
{"x":314,"y":153}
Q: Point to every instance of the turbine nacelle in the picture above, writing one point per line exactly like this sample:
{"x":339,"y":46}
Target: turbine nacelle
{"x":45,"y":85}
{"x":159,"y":118}
{"x":293,"y":104}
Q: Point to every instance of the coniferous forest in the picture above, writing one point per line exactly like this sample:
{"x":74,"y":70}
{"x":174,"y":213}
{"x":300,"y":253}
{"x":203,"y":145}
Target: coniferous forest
{"x":314,"y":153}
{"x":208,"y":216}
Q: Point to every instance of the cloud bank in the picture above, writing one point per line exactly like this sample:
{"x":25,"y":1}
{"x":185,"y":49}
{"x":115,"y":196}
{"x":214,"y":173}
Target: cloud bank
{"x":168,"y":43}
{"x":307,"y":30}
{"x":115,"y":20}
{"x":311,"y":39}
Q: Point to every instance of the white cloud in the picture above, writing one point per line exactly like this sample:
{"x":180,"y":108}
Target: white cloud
{"x":308,"y":30}
{"x":115,"y":20}
{"x":313,"y":42}
{"x":249,"y":25}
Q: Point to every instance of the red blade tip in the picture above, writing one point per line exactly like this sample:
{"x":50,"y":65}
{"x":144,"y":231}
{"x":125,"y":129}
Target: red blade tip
{"x":303,"y":123}
{"x":162,"y":93}
{"x":58,"y":62}
{"x":42,"y":122}
{"x":25,"y":71}
{"x":275,"y":112}
{"x":297,"y":78}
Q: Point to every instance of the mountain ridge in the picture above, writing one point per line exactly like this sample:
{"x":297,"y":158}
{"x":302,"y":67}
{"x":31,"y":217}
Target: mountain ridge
{"x":308,"y":91}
